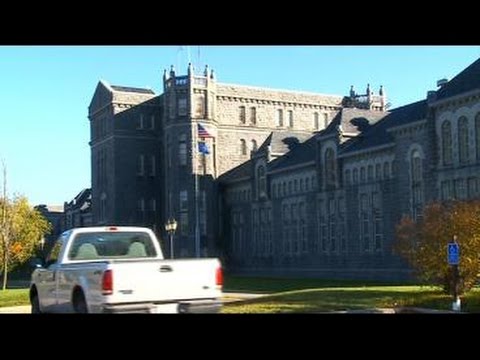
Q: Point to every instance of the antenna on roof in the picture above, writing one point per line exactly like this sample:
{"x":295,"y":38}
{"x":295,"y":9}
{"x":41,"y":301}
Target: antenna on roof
{"x":181,"y":63}
{"x":199,"y":63}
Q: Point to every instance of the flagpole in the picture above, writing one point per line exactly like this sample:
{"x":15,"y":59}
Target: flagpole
{"x":197,"y":232}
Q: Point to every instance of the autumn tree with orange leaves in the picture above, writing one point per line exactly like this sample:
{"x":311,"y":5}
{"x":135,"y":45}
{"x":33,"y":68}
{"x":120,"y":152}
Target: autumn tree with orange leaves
{"x":424,"y":243}
{"x":21,"y":229}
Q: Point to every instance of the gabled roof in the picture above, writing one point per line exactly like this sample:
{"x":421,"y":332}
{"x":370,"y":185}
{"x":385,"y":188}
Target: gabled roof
{"x":353,"y":120}
{"x":302,"y":153}
{"x":281,"y":142}
{"x":468,"y":79}
{"x":377,"y":134}
{"x":241,"y":171}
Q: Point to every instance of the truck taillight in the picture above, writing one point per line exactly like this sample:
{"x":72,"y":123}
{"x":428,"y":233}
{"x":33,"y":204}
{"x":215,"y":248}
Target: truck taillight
{"x":107,"y":282}
{"x":219,"y":276}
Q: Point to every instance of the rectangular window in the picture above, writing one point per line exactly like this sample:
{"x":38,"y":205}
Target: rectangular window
{"x":472,"y":188}
{"x":365,"y":226}
{"x":290,"y":118}
{"x":141,"y":165}
{"x":253,"y":115}
{"x":316,"y":121}
{"x":460,"y":192}
{"x":182,"y":152}
{"x":184,"y":223}
{"x":200,"y":105}
{"x":446,"y":188}
{"x":153,"y":203}
{"x":322,"y":225}
{"x":141,"y":210}
{"x":203,"y":223}
{"x":377,"y":221}
{"x":152,"y":122}
{"x":280,"y":117}
{"x":153,"y":165}
{"x":140,"y":122}
{"x":242,"y":114}
{"x":183,"y":200}
{"x":141,"y":204}
{"x":341,"y":224}
{"x":182,"y":106}
{"x":333,"y":229}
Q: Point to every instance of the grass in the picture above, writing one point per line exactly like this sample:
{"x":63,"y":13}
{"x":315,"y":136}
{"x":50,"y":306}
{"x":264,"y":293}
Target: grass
{"x":14,"y":297}
{"x":274,"y":285}
{"x":311,"y":295}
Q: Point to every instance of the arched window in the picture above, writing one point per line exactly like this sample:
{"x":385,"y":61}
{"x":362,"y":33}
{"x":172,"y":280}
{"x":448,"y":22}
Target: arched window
{"x":243,"y":146}
{"x":262,"y":181}
{"x":355,"y":176}
{"x":447,"y":143}
{"x":386,"y":170}
{"x":242,"y":115}
{"x":416,"y":173}
{"x":477,"y":135}
{"x":254,"y":145}
{"x":463,"y":152}
{"x":348,"y":177}
{"x":329,"y":167}
{"x":362,"y":174}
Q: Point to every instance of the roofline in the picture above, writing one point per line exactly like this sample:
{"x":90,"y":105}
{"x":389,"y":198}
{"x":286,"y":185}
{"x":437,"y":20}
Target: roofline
{"x":370,"y":149}
{"x":282,"y":90}
{"x":453,"y":98}
{"x":405,"y":126}
{"x":294,"y":167}
{"x":106,"y":84}
{"x":236,"y":180}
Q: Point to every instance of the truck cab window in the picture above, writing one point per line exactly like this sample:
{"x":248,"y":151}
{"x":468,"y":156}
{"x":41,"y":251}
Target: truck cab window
{"x":54,"y":253}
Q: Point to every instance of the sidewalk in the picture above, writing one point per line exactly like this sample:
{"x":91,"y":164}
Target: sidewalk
{"x":16,"y":310}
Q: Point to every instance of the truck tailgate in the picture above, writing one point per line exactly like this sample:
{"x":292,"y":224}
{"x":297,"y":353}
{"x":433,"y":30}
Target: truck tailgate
{"x":161,"y":281}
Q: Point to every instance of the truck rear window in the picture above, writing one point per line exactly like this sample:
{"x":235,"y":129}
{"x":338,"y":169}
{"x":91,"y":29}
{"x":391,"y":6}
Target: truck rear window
{"x":111,"y":245}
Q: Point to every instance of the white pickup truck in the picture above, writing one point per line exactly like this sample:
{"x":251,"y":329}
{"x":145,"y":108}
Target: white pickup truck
{"x":121,"y":269}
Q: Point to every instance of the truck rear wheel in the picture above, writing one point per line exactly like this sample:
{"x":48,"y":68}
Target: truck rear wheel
{"x":79,"y":303}
{"x":35,"y":304}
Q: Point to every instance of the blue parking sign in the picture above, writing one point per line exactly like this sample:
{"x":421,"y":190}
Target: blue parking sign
{"x":453,"y":254}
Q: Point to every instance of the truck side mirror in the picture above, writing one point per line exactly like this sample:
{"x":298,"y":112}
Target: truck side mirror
{"x":37,"y":263}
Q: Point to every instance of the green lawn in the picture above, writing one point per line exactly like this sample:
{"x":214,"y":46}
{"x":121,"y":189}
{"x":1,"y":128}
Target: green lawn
{"x":309,"y":295}
{"x":14,"y":297}
{"x":274,"y":285}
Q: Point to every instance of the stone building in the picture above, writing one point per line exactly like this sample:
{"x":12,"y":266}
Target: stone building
{"x":55,"y":215}
{"x":78,"y":211}
{"x":329,"y":204}
{"x":293,"y":182}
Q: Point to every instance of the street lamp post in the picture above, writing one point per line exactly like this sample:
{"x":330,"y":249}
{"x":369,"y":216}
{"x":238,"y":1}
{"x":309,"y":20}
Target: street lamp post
{"x":171,"y":227}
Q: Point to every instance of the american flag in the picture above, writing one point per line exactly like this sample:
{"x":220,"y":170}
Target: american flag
{"x":202,"y":132}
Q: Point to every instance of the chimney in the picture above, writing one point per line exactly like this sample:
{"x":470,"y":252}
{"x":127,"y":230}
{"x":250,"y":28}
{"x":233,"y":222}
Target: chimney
{"x":431,"y":95}
{"x":442,"y":82}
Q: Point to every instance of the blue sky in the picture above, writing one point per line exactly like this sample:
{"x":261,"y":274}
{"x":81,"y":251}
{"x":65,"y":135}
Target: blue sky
{"x":46,"y":90}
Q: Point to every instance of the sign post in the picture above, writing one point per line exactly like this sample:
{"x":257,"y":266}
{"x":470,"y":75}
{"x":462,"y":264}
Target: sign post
{"x":453,"y":256}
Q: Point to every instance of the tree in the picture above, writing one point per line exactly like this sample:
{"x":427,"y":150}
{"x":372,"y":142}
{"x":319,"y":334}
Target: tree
{"x":424,"y":243}
{"x":21,"y":229}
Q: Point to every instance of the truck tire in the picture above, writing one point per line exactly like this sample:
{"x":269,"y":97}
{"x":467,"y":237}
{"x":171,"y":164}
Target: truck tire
{"x":35,"y":304}
{"x":79,"y":303}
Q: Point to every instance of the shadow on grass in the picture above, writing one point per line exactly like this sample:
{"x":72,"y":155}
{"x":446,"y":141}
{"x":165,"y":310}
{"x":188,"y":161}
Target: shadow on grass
{"x":273,"y":285}
{"x":343,"y":299}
